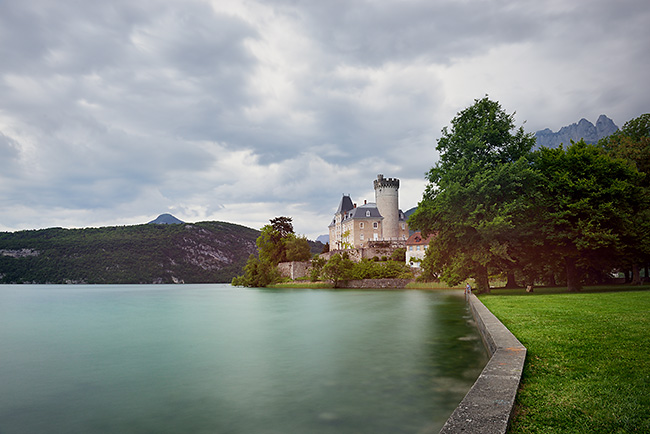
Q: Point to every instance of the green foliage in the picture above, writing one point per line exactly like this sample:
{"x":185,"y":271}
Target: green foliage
{"x":481,"y":179}
{"x":585,"y":205}
{"x":398,"y":255}
{"x":369,"y":269}
{"x":297,"y":248}
{"x":317,"y":265}
{"x":127,"y":254}
{"x":338,"y":268}
{"x":276,"y":243}
{"x":632,"y":143}
{"x":257,"y":273}
{"x":498,"y":208}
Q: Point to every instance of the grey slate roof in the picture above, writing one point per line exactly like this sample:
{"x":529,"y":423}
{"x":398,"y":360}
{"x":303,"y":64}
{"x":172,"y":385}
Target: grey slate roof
{"x":345,"y":205}
{"x":362,"y":211}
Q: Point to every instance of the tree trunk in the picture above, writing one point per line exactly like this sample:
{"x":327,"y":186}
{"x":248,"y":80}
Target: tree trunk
{"x":511,"y":283}
{"x":572,"y":275}
{"x":636,"y":275}
{"x":549,"y":279}
{"x":482,"y":280}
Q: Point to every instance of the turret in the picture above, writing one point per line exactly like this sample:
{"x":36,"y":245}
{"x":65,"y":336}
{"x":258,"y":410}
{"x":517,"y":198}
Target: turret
{"x":387,"y":199}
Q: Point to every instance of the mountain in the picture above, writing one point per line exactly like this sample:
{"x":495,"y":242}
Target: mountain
{"x":202,"y":252}
{"x":582,"y":130}
{"x":166,"y":219}
{"x":323,"y":238}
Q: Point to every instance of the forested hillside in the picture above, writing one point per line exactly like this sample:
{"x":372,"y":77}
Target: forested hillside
{"x":191,"y":253}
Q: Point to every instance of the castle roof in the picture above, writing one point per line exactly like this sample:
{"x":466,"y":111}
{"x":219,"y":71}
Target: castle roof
{"x":365,"y":211}
{"x":345,"y":205}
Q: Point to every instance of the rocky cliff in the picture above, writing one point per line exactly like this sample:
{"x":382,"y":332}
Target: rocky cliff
{"x":582,"y":130}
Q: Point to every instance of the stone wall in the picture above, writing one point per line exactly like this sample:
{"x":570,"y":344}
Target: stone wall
{"x":294,"y":270}
{"x":376,"y":249}
{"x":488,"y":405}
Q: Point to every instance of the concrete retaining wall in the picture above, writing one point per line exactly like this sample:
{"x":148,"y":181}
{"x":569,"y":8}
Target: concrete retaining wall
{"x":488,"y":405}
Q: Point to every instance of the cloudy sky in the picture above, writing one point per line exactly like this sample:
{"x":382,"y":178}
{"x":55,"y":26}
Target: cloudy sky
{"x":116,"y":111}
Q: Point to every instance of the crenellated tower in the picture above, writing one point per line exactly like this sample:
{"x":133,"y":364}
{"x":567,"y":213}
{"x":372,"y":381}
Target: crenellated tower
{"x":387,"y":199}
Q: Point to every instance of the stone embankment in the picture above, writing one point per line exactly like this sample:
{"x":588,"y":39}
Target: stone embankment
{"x":488,"y":405}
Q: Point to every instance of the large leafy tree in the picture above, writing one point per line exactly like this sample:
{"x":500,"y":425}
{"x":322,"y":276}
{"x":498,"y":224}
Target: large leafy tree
{"x":584,"y":207}
{"x":632,"y":143}
{"x":276,"y":243}
{"x":479,"y":184}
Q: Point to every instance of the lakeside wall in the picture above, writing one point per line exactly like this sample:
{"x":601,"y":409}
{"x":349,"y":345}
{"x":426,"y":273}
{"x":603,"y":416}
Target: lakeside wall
{"x":488,"y":405}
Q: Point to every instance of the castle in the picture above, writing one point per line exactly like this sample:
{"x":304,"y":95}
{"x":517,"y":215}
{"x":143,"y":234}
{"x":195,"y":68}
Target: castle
{"x":358,"y":227}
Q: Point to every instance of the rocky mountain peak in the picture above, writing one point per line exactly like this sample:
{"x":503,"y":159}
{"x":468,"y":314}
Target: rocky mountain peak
{"x":165,"y":219}
{"x":582,"y":130}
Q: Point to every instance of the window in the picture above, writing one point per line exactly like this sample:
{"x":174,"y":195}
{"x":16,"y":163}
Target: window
{"x":361,"y":237}
{"x":361,"y":225}
{"x":410,"y":248}
{"x":367,"y":213}
{"x":375,"y":225}
{"x":417,"y":248}
{"x":403,"y":226}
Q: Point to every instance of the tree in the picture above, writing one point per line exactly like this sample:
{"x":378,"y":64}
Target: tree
{"x":584,"y":207}
{"x":474,"y":190}
{"x":632,"y":143}
{"x":282,"y":225}
{"x":276,"y":243}
{"x":338,"y":268}
{"x":317,"y":264}
{"x":297,"y":248}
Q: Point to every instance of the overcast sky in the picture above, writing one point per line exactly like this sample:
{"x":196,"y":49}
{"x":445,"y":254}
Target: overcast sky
{"x":116,"y":111}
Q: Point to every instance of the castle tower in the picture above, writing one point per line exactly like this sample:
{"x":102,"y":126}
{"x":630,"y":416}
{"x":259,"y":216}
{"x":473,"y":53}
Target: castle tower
{"x":387,"y":199}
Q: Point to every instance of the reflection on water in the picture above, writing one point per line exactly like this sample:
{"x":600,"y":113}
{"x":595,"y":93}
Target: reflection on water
{"x":217,"y":359}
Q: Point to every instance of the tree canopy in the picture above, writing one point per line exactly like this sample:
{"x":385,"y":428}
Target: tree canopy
{"x":472,"y":192}
{"x":276,"y":243}
{"x":497,"y":207}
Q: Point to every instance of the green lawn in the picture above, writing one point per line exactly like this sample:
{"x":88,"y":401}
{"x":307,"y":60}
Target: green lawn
{"x":588,"y":364}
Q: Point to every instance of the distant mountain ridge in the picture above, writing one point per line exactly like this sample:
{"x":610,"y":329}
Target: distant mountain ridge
{"x":204,"y":252}
{"x":582,"y":130}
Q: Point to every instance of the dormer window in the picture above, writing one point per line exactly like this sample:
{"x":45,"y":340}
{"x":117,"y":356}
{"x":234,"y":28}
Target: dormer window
{"x":367,"y":213}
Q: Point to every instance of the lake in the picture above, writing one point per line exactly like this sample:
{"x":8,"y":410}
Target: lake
{"x":219,"y":359}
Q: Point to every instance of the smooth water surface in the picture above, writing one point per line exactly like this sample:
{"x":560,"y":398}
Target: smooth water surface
{"x":218,"y":359}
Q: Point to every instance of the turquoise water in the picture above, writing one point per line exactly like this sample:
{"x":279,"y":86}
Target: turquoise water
{"x":218,"y":359}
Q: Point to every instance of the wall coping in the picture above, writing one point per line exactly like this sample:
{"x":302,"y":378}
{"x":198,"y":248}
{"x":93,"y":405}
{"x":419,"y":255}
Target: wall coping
{"x":488,"y":405}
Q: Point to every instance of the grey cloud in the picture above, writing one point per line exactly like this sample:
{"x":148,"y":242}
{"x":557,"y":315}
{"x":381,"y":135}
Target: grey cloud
{"x":9,"y":155}
{"x":377,"y":32}
{"x":122,"y":105}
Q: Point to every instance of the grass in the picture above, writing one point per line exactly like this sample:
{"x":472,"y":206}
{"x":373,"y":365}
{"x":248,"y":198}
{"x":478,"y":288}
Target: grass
{"x":588,"y":363}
